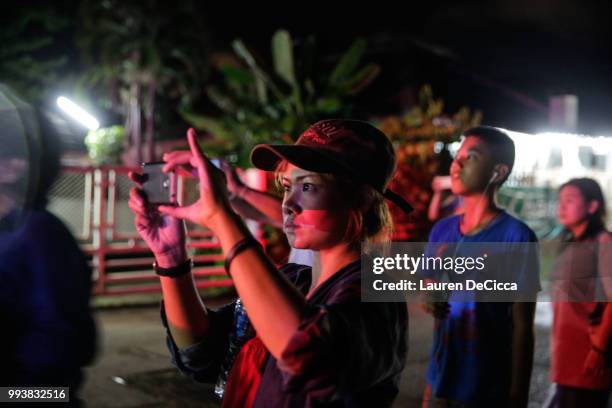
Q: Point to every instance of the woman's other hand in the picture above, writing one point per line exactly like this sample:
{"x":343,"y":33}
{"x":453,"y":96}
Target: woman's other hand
{"x":163,"y":234}
{"x":213,"y":201}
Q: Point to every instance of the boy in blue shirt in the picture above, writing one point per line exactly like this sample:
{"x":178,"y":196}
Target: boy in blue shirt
{"x":482,"y":352}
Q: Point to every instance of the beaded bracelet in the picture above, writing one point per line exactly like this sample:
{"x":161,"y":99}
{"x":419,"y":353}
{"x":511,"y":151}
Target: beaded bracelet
{"x":240,"y":246}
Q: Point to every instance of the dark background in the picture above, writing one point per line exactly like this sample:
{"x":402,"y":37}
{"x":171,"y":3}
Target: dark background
{"x":503,"y":57}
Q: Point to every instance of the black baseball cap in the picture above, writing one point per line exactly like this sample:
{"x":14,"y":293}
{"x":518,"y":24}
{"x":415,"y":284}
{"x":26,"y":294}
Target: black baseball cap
{"x":352,"y":149}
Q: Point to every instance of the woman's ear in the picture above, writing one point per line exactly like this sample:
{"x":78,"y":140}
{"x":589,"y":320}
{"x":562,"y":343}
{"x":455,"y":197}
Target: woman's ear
{"x":593,"y":207}
{"x":366,"y":198}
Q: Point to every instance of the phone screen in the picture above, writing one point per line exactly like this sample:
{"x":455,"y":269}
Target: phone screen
{"x":159,"y":187}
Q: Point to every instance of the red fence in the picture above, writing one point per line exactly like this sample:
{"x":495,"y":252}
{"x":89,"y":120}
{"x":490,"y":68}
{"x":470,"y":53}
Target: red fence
{"x":92,"y":201}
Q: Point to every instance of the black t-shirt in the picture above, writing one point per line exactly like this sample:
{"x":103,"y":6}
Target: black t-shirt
{"x":346,"y":353}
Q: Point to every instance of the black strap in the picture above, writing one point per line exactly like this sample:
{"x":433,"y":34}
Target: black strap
{"x":175,"y":271}
{"x":398,"y":200}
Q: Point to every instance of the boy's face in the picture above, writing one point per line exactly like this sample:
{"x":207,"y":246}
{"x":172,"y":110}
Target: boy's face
{"x":472,"y":167}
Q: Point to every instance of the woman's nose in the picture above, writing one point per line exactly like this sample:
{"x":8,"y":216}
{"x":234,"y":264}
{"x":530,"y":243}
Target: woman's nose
{"x":290,"y":204}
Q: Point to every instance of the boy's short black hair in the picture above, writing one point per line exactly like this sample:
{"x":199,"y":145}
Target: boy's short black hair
{"x":500,"y":143}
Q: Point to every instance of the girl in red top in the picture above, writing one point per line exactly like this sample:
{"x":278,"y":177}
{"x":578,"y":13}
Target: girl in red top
{"x":582,"y":325}
{"x":316,"y":343}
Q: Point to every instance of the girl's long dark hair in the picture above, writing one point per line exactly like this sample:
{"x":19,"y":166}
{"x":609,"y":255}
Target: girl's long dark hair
{"x":590,"y":191}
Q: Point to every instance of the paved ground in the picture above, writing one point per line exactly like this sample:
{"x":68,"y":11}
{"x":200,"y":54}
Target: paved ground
{"x":133,"y":368}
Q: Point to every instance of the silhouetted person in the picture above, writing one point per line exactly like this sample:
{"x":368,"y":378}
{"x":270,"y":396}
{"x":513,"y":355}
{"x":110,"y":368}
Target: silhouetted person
{"x":48,"y":333}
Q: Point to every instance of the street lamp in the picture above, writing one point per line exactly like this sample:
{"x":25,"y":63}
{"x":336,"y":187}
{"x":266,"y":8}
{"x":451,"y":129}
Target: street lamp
{"x":77,"y":113}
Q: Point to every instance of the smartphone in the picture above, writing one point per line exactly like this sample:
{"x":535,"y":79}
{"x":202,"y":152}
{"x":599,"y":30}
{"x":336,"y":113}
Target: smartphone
{"x":216,"y":163}
{"x":159,"y":187}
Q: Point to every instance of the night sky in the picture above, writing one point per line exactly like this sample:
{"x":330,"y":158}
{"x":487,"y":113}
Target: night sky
{"x":502,"y":57}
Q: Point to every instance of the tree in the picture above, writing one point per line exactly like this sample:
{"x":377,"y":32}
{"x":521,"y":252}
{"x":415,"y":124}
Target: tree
{"x":141,"y":51}
{"x":29,"y":61}
{"x":260,"y":105}
{"x":421,"y":139}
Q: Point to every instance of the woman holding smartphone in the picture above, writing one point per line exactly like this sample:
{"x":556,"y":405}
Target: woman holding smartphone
{"x":316,"y":343}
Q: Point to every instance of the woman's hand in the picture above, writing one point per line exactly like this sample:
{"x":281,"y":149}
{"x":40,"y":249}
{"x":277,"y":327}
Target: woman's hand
{"x":213,"y":201}
{"x":235,"y":185}
{"x":183,"y":160}
{"x":595,"y":363}
{"x":163,"y":234}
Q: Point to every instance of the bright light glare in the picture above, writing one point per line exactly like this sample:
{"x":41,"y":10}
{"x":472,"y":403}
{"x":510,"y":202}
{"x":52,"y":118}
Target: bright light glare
{"x":601,"y":145}
{"x":77,"y":113}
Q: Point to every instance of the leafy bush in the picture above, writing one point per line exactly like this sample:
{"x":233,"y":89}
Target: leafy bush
{"x":105,"y":145}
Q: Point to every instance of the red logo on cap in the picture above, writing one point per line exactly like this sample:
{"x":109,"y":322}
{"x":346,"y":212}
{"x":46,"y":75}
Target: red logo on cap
{"x":313,"y":137}
{"x":322,"y":132}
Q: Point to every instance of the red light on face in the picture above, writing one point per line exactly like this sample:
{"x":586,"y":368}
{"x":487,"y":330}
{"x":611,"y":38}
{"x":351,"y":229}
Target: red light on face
{"x":321,"y":220}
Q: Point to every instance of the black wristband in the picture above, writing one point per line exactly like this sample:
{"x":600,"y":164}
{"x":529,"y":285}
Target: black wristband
{"x":175,"y":271}
{"x":240,"y":246}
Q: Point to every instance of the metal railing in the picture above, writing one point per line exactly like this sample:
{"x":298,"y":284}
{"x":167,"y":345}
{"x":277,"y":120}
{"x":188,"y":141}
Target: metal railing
{"x":92,"y":202}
